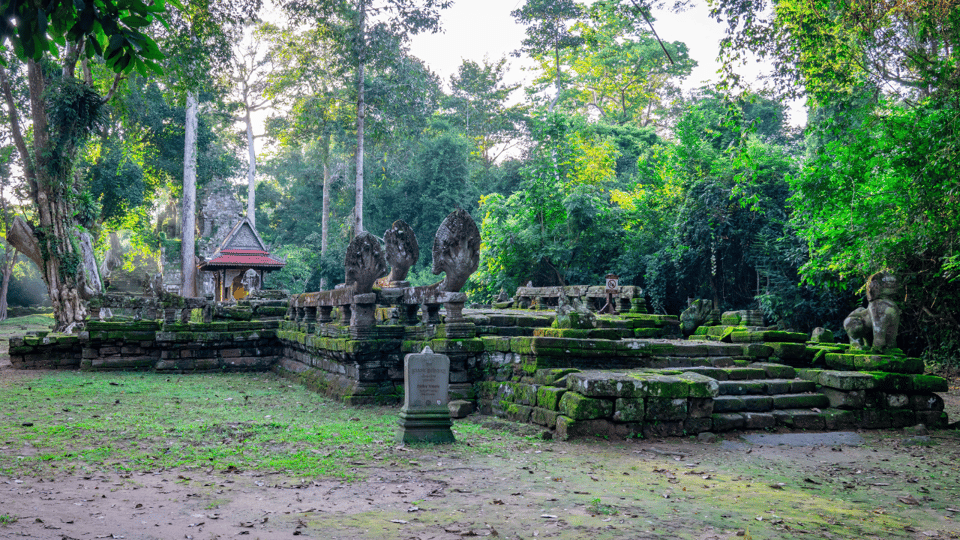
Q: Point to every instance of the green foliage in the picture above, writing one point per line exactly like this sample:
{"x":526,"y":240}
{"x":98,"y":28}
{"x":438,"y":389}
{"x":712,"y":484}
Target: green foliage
{"x":479,"y":108}
{"x":623,"y":72}
{"x":597,"y":508}
{"x":114,"y":30}
{"x":561,"y":227}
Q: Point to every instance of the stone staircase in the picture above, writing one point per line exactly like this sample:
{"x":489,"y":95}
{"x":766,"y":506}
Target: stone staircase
{"x":764,"y":396}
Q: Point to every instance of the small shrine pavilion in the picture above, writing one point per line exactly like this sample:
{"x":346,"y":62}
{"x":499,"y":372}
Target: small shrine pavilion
{"x":239,"y":264}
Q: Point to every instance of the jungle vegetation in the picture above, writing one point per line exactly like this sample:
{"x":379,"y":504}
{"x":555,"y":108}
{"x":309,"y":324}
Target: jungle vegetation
{"x":601,"y":164}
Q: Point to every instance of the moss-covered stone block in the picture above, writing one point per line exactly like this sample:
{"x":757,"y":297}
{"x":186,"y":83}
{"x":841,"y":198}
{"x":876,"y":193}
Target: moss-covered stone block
{"x":553,"y":377}
{"x":629,"y":410}
{"x":665,"y":410}
{"x":801,"y":401}
{"x":757,"y":350}
{"x":578,"y":407}
{"x":647,"y":333}
{"x":700,"y":386}
{"x":456,"y":346}
{"x":775,"y":371}
{"x":544,"y":417}
{"x":845,"y":399}
{"x":892,"y":382}
{"x":926,"y":401}
{"x":526,"y":394}
{"x":790,"y":351}
{"x":727,"y":421}
{"x":841,"y":380}
{"x":548,"y":397}
{"x":570,"y":333}
{"x":835,"y":419}
{"x":891,"y":364}
{"x":521,"y":345}
{"x":517,"y":412}
{"x":929,"y":383}
{"x":486,"y":389}
{"x":932,"y":419}
{"x":665,"y":386}
{"x":768,"y":336}
{"x":606,"y":384}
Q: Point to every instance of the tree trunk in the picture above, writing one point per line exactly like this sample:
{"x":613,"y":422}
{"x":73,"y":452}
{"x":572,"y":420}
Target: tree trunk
{"x":8,"y":264}
{"x":251,"y":173}
{"x":361,"y":105}
{"x":188,"y":265}
{"x":325,"y":217}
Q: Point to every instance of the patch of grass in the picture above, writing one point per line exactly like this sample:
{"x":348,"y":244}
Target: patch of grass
{"x":7,"y":519}
{"x":125,"y":422}
{"x":18,"y":326}
{"x":599,"y":509}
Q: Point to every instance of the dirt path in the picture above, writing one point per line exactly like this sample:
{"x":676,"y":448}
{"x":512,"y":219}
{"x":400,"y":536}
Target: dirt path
{"x":670,"y":489}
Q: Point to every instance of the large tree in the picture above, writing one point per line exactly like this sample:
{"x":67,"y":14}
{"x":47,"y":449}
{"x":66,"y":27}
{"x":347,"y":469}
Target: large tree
{"x":54,"y":43}
{"x":549,"y":34}
{"x":367,"y":33}
{"x":479,"y":103}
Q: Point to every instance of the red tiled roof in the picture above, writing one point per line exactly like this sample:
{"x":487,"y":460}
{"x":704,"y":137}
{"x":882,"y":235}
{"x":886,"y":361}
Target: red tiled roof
{"x":233,"y":258}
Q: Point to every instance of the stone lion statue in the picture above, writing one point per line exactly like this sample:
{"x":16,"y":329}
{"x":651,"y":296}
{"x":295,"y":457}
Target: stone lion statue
{"x":875,"y":327}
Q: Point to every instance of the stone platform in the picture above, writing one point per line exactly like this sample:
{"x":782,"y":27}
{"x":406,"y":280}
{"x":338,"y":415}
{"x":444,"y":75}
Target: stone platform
{"x":576,"y":382}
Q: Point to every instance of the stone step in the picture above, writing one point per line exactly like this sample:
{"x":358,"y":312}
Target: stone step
{"x":729,"y":373}
{"x":766,"y":387}
{"x":766,"y":403}
{"x":790,"y":418}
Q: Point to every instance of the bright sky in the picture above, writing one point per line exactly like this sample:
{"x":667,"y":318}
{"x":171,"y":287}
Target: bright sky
{"x":473,"y":29}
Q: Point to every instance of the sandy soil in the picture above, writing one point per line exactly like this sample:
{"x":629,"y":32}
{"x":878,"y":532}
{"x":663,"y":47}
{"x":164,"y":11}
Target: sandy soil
{"x":893,"y":485}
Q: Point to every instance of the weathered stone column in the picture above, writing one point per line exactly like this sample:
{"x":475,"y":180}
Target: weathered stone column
{"x":325,"y":314}
{"x":345,"y":315}
{"x":408,"y":314}
{"x":363,"y":310}
{"x":431,"y":314}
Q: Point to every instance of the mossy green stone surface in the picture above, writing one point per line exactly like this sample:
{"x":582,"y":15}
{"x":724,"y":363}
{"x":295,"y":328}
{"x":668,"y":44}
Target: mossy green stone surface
{"x":663,"y":386}
{"x":929,"y":383}
{"x":629,"y":410}
{"x":578,"y":407}
{"x":789,"y":351}
{"x":665,"y":409}
{"x":892,"y":382}
{"x":700,"y":386}
{"x":552,"y":376}
{"x":841,"y":380}
{"x":548,"y":397}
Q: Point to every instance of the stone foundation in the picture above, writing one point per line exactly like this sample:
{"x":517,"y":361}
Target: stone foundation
{"x":575,"y":382}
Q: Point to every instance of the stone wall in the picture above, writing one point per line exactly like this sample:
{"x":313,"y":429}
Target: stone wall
{"x":575,"y":382}
{"x":153,"y":345}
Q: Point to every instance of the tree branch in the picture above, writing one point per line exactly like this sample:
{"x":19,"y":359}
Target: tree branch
{"x":113,"y":88}
{"x":18,"y":139}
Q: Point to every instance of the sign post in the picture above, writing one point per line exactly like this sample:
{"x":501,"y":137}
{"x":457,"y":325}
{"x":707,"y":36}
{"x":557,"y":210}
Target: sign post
{"x":612,"y":289}
{"x":425,"y":416}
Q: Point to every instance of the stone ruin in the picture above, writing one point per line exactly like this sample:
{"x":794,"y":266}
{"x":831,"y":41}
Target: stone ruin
{"x":620,"y":375}
{"x":876,"y":326}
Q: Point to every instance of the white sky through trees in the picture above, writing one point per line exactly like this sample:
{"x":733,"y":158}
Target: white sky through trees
{"x":473,"y":29}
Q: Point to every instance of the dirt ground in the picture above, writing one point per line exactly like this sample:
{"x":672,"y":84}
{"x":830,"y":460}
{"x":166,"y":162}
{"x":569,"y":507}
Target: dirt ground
{"x":892,"y":485}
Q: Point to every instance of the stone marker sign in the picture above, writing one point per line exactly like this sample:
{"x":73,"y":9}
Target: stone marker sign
{"x":425,"y":416}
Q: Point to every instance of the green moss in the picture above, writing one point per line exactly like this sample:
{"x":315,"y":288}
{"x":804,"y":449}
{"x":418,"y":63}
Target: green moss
{"x":548,"y":397}
{"x":665,"y":409}
{"x":929,"y":383}
{"x":578,"y":407}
